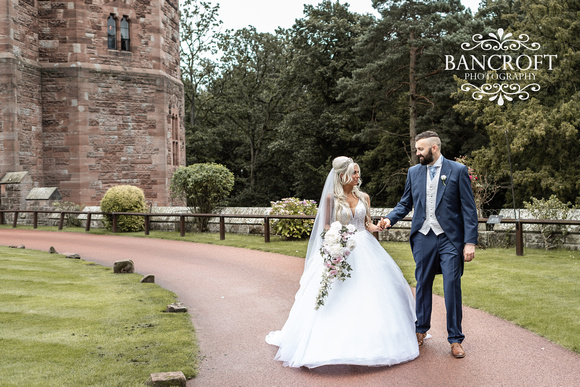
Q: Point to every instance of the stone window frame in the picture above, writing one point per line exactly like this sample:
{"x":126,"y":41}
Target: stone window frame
{"x":125,"y":24}
{"x":117,"y":28}
{"x":174,"y":138}
{"x":112,"y":32}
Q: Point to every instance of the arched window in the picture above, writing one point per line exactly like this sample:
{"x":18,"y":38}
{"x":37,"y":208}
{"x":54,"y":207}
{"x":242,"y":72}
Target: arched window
{"x":175,"y":138}
{"x":112,"y":32}
{"x":125,"y":39}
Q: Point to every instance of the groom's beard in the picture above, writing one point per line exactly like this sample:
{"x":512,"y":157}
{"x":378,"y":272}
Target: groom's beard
{"x":427,"y":159}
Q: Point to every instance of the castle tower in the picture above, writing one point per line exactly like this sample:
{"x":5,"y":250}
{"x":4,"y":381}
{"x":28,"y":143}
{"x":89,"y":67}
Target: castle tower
{"x":91,"y":96}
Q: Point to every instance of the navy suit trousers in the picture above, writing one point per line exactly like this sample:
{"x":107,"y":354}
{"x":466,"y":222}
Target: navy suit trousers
{"x":431,"y":252}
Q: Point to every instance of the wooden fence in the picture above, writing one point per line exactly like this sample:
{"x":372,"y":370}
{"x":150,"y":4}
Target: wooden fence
{"x":222,"y":230}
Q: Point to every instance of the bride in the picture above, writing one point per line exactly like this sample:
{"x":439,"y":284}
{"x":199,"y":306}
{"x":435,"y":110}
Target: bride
{"x":367,"y":319}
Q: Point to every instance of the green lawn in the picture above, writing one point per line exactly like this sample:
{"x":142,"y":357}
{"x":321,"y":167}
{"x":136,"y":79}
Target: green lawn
{"x":66,"y":322}
{"x":538,"y":291}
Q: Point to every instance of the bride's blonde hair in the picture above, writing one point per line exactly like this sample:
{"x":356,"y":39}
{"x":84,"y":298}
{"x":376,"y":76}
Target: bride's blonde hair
{"x":344,"y":170}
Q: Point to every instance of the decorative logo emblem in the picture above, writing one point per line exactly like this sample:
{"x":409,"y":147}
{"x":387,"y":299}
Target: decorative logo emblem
{"x":501,"y":69}
{"x":500,"y":41}
{"x":500,"y":91}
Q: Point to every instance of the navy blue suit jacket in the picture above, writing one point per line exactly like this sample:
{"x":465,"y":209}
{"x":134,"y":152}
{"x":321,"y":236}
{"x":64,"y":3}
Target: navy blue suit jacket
{"x":455,"y":207}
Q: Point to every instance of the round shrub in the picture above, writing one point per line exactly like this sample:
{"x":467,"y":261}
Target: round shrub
{"x":203,"y":186}
{"x":124,"y":198}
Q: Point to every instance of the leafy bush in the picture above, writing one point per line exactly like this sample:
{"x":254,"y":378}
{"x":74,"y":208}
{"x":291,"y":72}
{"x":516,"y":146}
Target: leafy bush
{"x":124,"y":198}
{"x":70,"y":220}
{"x":203,"y":187}
{"x":293,"y":228}
{"x":552,"y":234}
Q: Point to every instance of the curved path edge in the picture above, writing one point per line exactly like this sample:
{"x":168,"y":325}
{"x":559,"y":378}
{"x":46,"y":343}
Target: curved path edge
{"x":236,"y":296}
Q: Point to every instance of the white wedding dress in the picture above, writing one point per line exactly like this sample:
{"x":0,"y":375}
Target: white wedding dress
{"x":369,"y":319}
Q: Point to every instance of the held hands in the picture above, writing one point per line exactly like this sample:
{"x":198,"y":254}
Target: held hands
{"x":384,"y":224}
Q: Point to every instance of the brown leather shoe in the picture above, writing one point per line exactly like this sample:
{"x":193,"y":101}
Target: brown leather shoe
{"x":457,"y":350}
{"x":421,"y":338}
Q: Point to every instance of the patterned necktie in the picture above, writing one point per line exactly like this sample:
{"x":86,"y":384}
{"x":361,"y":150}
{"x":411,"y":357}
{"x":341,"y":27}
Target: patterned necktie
{"x":432,"y":171}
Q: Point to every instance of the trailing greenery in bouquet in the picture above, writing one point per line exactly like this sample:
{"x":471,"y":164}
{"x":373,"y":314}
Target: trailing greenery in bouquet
{"x":293,"y":228}
{"x":336,"y":247}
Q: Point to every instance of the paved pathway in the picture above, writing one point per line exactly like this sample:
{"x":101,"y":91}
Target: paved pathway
{"x":236,"y":296}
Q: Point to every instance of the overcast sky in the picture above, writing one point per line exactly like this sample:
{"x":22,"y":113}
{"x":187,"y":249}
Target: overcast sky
{"x":267,"y":15}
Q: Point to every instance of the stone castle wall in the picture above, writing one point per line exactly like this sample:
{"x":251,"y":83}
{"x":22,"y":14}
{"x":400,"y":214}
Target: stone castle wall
{"x":20,"y":97}
{"x":80,"y":116}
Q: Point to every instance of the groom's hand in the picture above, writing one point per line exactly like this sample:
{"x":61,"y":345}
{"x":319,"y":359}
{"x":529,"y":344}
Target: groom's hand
{"x":468,"y":252}
{"x":384,"y":223}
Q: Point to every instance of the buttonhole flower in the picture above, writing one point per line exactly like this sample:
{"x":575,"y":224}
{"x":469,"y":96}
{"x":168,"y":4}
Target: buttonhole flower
{"x":444,"y":179}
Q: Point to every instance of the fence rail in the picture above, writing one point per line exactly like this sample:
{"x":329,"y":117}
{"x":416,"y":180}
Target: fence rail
{"x":182,"y":217}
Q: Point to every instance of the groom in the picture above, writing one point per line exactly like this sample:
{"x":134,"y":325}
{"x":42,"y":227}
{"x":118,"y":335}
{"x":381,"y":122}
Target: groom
{"x":443,"y":232}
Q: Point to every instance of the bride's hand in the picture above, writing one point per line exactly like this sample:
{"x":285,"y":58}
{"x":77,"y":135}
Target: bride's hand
{"x":381,"y":224}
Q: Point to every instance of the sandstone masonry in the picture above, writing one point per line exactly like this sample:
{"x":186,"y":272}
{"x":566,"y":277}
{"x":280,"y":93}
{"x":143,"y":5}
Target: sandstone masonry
{"x":91,"y":96}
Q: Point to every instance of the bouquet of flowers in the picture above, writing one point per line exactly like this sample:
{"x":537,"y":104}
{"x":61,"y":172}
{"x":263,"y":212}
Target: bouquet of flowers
{"x":336,"y":247}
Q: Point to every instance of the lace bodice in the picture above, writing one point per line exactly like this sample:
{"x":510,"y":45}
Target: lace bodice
{"x":358,"y":220}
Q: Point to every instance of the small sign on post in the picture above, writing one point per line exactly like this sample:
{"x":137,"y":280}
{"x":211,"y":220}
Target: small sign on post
{"x":494,"y":219}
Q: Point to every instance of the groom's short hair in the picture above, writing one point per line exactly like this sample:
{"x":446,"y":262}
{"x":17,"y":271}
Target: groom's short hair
{"x":429,"y":134}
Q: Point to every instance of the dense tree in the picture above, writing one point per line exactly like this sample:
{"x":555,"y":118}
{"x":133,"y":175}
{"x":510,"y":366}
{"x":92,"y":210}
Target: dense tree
{"x":198,"y":39}
{"x":411,"y":38}
{"x":250,"y":104}
{"x":403,"y":89}
{"x":543,"y":130}
{"x":318,"y":125}
{"x":276,"y":108}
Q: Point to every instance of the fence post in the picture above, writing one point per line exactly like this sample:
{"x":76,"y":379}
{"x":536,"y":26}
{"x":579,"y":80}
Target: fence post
{"x":147,"y":224}
{"x":88,"y":225}
{"x":2,"y":220}
{"x":15,"y":222}
{"x":519,"y":239}
{"x":61,"y":221}
{"x":222,"y":228}
{"x":266,"y":229}
{"x":114,"y":222}
{"x":181,"y":225}
{"x":35,"y":220}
